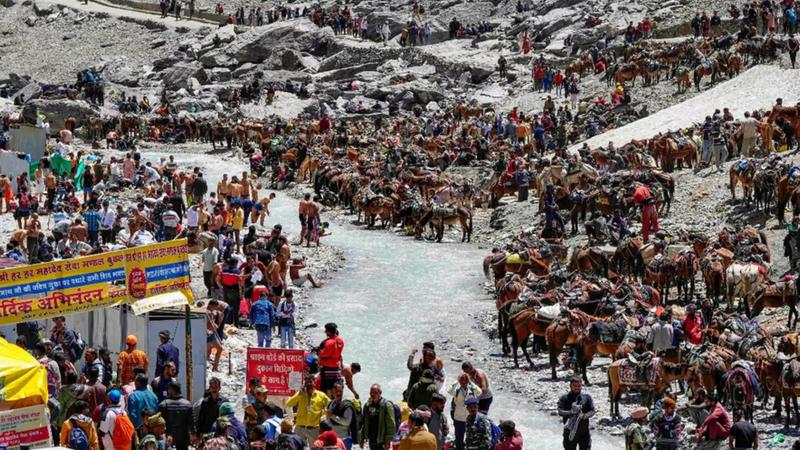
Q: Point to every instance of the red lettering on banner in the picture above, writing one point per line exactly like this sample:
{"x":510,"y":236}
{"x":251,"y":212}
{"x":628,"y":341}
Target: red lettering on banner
{"x":273,"y":366}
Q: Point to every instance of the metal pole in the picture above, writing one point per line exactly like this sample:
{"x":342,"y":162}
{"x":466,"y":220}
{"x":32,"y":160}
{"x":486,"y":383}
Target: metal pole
{"x":187,"y":310}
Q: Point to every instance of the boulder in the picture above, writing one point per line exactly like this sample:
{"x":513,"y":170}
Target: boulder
{"x":59,"y":110}
{"x":158,"y":42}
{"x":30,"y":21}
{"x":165,"y":62}
{"x":345,"y":73}
{"x":257,"y":44}
{"x":43,"y":11}
{"x":177,"y":76}
{"x":31,"y":91}
{"x":124,"y":75}
{"x":219,"y":74}
{"x":479,"y":74}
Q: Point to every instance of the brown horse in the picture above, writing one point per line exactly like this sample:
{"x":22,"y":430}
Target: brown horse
{"x":628,"y":257}
{"x":667,"y":150}
{"x":381,"y":206}
{"x":710,"y":69}
{"x":627,"y":72}
{"x":735,"y":64}
{"x":713,"y":269}
{"x":683,"y":79}
{"x":776,"y":295}
{"x":587,"y":259}
{"x":665,"y":374}
{"x":565,"y":331}
{"x":438,"y":217}
{"x":686,"y":267}
{"x":508,"y":291}
{"x":745,"y":178}
{"x":789,"y":113}
{"x":660,"y":275}
{"x":522,"y":326}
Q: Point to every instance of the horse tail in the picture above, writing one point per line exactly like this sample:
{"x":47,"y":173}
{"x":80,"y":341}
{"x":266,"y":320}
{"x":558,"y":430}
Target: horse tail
{"x":470,"y":227}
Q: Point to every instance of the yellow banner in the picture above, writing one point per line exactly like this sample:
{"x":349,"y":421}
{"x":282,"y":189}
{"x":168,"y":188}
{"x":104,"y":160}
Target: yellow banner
{"x":93,"y":282}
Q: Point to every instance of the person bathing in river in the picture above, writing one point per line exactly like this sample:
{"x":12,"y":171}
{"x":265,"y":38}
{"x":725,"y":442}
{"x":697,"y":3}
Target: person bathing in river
{"x":299,"y":276}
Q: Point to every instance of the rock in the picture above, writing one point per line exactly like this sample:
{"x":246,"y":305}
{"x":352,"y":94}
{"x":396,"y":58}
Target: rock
{"x":124,"y":75}
{"x":176,"y":77}
{"x":30,"y":21}
{"x":7,"y":3}
{"x":165,"y":62}
{"x":59,"y":110}
{"x":31,"y":91}
{"x":346,"y":72}
{"x":194,"y":84}
{"x":290,"y":59}
{"x":257,"y":44}
{"x":220,"y":74}
{"x":479,"y":74}
{"x":68,"y":36}
{"x":43,"y":11}
{"x":220,"y":36}
{"x":158,"y":42}
{"x":243,"y":70}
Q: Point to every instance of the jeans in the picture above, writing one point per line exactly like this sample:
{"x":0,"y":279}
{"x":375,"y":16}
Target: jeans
{"x":460,"y":430}
{"x":720,"y":154}
{"x":707,"y":148}
{"x":264,"y":334}
{"x":484,"y":404}
{"x":348,"y":443}
{"x":287,"y":336}
{"x":583,"y":442}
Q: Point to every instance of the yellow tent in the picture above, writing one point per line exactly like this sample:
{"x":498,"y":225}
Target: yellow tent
{"x":23,"y":380}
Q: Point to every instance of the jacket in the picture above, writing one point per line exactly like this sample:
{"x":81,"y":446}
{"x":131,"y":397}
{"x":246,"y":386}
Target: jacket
{"x":418,"y":439}
{"x":309,"y":410}
{"x":330,"y":352}
{"x":177,"y":412}
{"x":421,"y":393}
{"x":386,"y":422}
{"x":458,"y":410}
{"x":512,"y":443}
{"x":84,"y":423}
{"x":262,"y":313}
{"x":717,"y":425}
{"x":167,"y":352}
{"x":692,"y":326}
{"x":661,"y":336}
{"x":67,"y":396}
{"x":206,"y":412}
{"x":478,"y":433}
{"x":138,"y":401}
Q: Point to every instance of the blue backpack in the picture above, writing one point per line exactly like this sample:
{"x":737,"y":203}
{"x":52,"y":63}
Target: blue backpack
{"x":78,"y":440}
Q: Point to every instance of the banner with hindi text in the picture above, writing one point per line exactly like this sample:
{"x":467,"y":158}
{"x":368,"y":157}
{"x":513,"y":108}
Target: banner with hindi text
{"x":93,"y":282}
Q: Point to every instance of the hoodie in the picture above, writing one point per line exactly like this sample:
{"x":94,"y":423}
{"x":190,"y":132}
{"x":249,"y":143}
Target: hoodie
{"x":83,"y":423}
{"x":421,"y":393}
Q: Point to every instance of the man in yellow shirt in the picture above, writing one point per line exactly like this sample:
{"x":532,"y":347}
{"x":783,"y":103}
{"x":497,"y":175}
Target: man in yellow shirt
{"x":311,"y":405}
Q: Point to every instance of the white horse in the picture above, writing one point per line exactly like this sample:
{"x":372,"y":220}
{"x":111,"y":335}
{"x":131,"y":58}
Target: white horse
{"x":741,"y":280}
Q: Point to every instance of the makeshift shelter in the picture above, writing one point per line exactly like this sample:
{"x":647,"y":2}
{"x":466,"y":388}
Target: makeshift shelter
{"x":24,"y":378}
{"x":23,"y":409}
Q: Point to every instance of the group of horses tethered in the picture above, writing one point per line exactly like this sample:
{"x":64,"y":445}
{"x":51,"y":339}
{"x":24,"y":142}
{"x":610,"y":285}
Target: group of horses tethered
{"x":687,"y":63}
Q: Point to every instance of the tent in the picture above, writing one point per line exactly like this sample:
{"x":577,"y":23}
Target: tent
{"x":24,"y":378}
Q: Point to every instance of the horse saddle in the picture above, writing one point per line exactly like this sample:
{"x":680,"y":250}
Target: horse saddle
{"x":632,"y":374}
{"x":443,"y":212}
{"x":743,"y":165}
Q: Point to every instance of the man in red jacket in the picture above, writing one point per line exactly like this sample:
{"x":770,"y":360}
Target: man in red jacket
{"x":693,"y":325}
{"x":330,"y":357}
{"x":644,"y":198}
{"x":511,"y":438}
{"x":717,"y":426}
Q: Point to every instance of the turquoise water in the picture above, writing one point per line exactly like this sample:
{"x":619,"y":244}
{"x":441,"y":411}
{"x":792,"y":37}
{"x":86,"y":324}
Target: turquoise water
{"x":395,"y":293}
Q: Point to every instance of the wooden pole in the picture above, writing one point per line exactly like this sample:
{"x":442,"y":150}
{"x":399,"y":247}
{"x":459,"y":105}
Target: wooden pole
{"x":187,"y":310}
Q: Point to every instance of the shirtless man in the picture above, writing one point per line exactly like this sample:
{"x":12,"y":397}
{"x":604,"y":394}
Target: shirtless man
{"x":19,"y":236}
{"x":348,"y":371}
{"x":235,"y":188}
{"x":51,"y":184}
{"x":299,"y":276}
{"x":312,"y":222}
{"x":303,"y":210}
{"x":222,"y":186}
{"x":32,"y":231}
{"x":204,"y":218}
{"x":274,"y":281}
{"x":286,"y":253}
{"x":261,"y":209}
{"x":245,"y":182}
{"x":78,"y":230}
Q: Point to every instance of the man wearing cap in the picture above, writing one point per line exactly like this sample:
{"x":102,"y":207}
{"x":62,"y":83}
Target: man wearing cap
{"x":478,"y":427}
{"x":114,"y":416}
{"x":167,"y":352}
{"x":636,"y":433}
{"x":311,"y":405}
{"x":254,"y":414}
{"x":667,"y":426}
{"x":236,"y":430}
{"x":437,"y":424}
{"x":130,"y":358}
{"x":330,"y":357}
{"x":511,"y":439}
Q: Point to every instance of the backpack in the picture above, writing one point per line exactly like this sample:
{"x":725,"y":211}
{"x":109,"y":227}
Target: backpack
{"x":78,"y":440}
{"x":355,"y":422}
{"x":123,"y":431}
{"x":398,"y":414}
{"x":25,"y":201}
{"x":77,"y":346}
{"x":274,"y":428}
{"x":494,"y":430}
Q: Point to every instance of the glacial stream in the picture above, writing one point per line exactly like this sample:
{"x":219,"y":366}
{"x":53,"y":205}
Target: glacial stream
{"x":396,"y":293}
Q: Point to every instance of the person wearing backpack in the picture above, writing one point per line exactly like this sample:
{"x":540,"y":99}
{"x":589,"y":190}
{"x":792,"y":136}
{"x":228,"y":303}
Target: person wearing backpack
{"x":78,"y":431}
{"x":419,"y":438}
{"x":461,"y":391}
{"x":479,"y":428}
{"x":343,"y":416}
{"x":379,"y":423}
{"x":116,"y":428}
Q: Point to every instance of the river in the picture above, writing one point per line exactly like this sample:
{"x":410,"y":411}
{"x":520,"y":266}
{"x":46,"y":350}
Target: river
{"x":396,"y":293}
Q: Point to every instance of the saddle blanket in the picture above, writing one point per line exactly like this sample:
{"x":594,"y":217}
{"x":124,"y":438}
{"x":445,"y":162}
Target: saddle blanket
{"x":549,"y":312}
{"x":629,"y":373}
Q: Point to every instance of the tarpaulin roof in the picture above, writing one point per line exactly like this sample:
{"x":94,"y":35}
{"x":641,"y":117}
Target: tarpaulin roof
{"x":24,"y":379}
